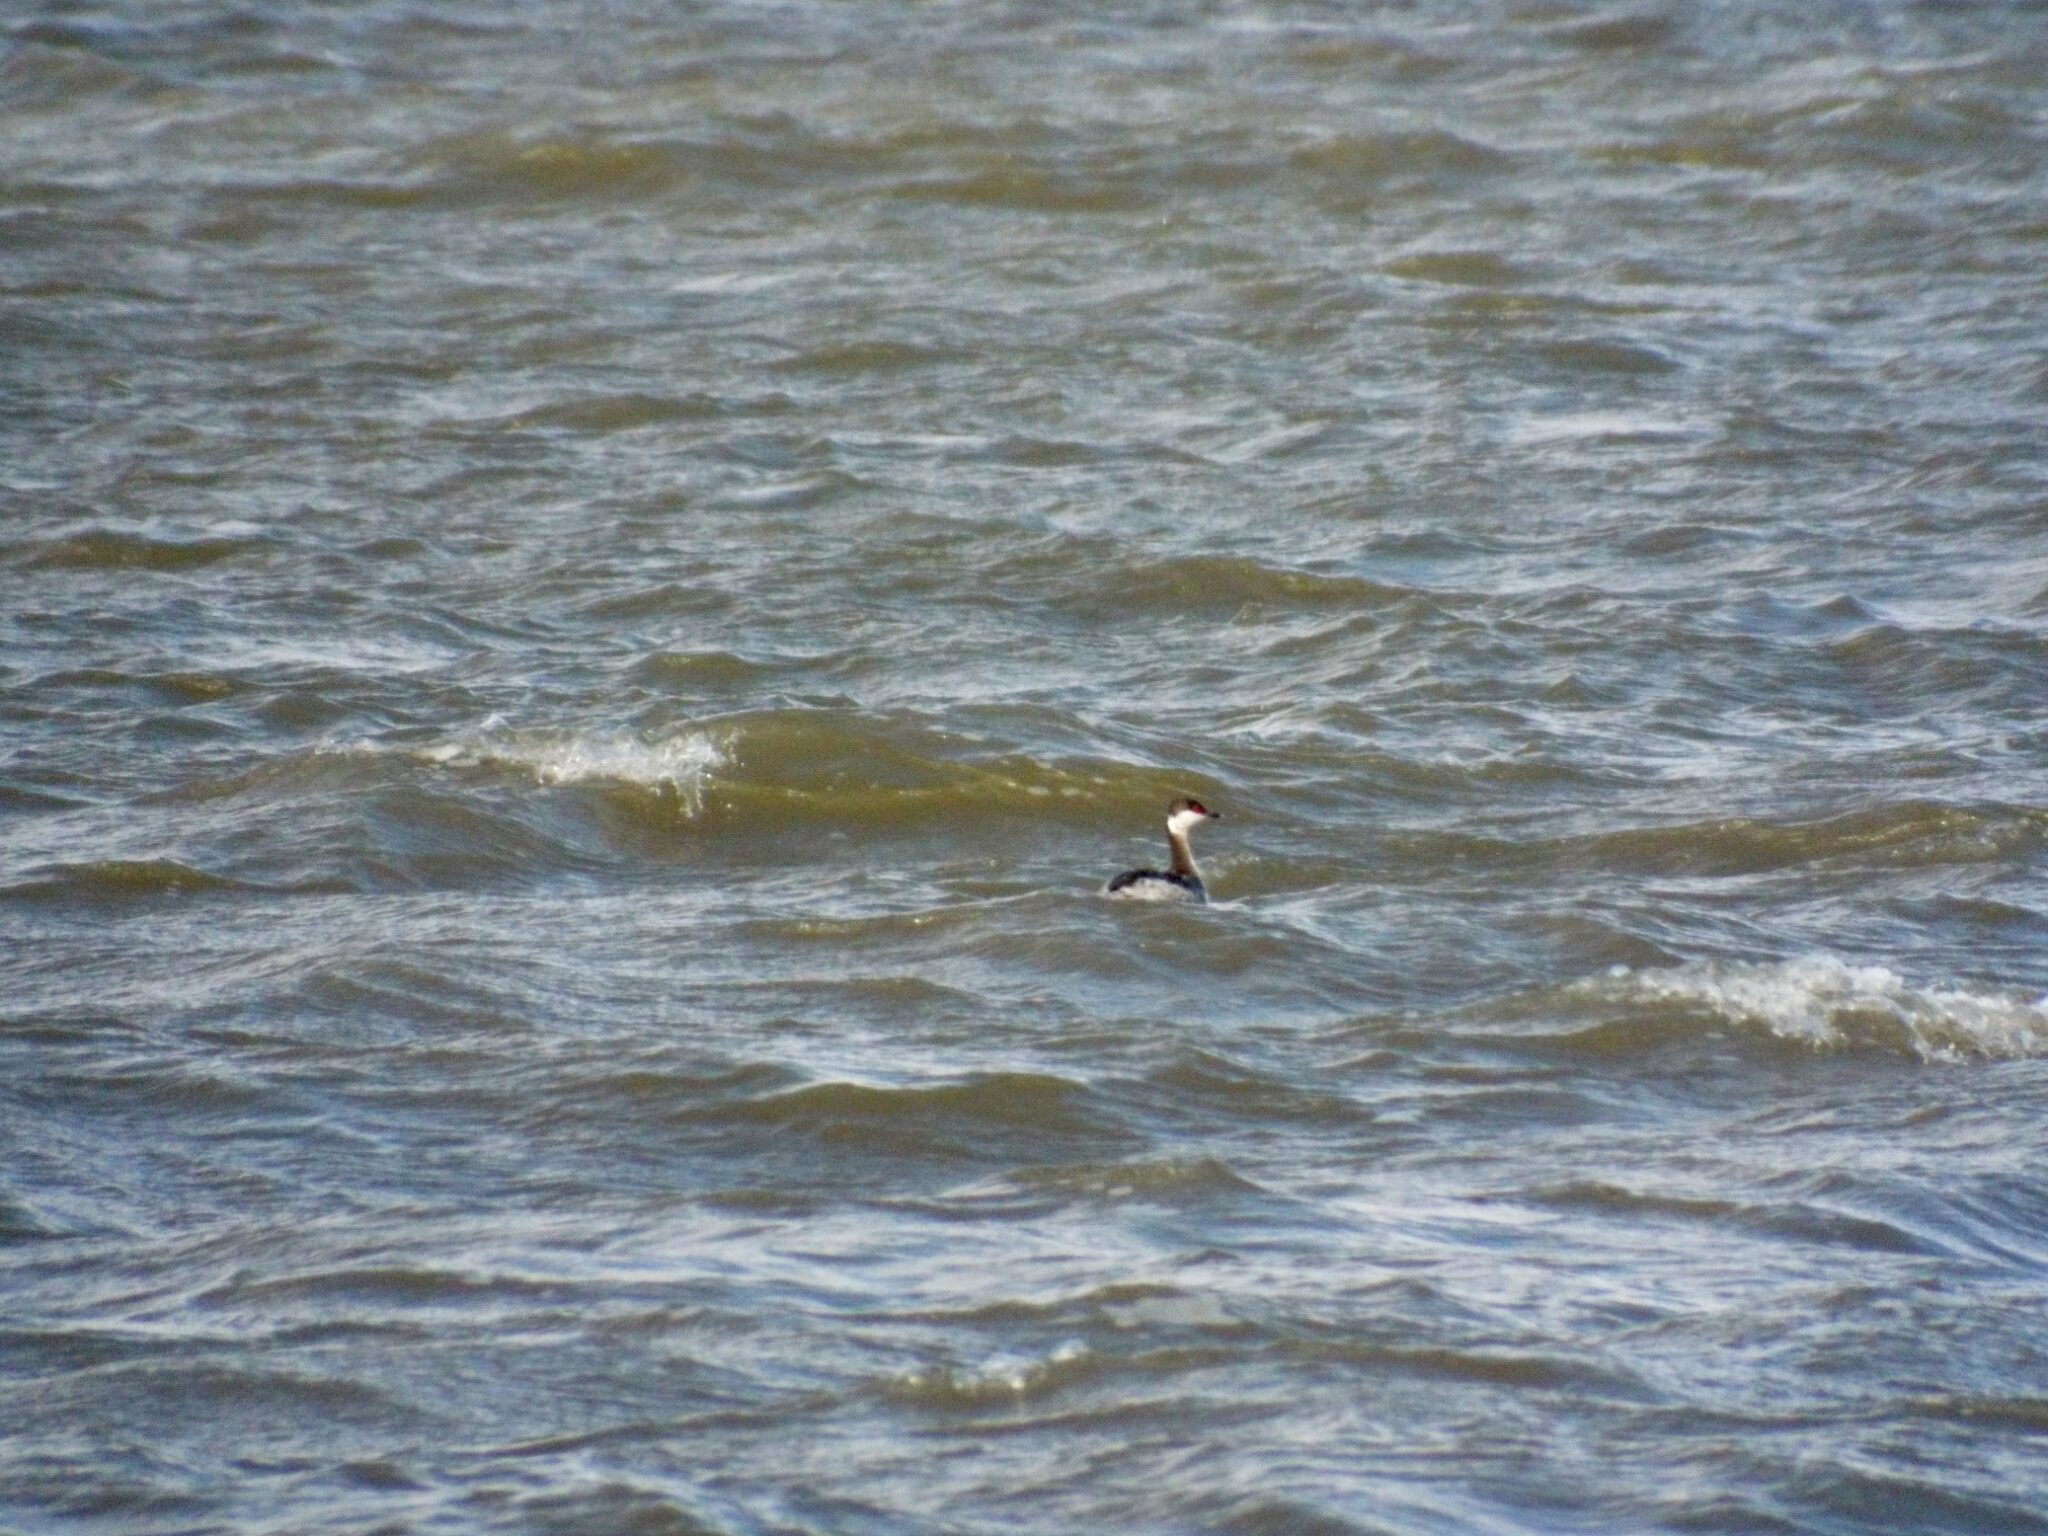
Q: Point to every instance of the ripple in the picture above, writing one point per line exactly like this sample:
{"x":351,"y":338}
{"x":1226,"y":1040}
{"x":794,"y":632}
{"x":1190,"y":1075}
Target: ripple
{"x":120,"y":880}
{"x":1028,"y":1101}
{"x":862,"y":357}
{"x":1211,"y":584}
{"x":1025,"y":188}
{"x":623,"y":412}
{"x":1459,"y":269}
{"x":1796,"y":1221}
{"x":110,"y":549}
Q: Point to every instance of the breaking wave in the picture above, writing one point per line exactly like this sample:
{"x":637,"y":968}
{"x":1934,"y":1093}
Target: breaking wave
{"x":1003,"y":1378}
{"x":775,"y":769}
{"x":679,"y":764}
{"x":1830,"y":1004}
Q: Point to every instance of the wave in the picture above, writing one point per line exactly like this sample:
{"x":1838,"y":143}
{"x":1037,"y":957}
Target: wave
{"x":1000,"y":1379}
{"x":1909,"y":834}
{"x":729,"y":157}
{"x":714,"y":671}
{"x":866,"y":356}
{"x":1829,"y":1004}
{"x":120,"y":880}
{"x":677,"y":766}
{"x":776,"y":770}
{"x":1458,"y":269}
{"x":54,"y":65}
{"x":498,"y":801}
{"x":174,"y":688}
{"x":1349,"y":172}
{"x":380,"y":1288}
{"x":963,"y":1122}
{"x":1035,"y":189}
{"x":500,"y":166}
{"x":114,"y":549}
{"x":1193,"y":584}
{"x":614,"y":411}
{"x":780,"y":768}
{"x":1802,"y":1221}
{"x":1164,"y":1181}
{"x":1357,"y":157}
{"x":21,"y":1222}
{"x":1029,"y":1101}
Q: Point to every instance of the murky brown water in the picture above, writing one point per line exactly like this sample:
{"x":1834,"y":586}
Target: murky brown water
{"x":591,"y":592}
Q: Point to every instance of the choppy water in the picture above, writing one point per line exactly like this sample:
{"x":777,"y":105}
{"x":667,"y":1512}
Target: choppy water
{"x":591,"y":591}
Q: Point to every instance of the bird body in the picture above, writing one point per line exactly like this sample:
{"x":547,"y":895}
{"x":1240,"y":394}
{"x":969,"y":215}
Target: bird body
{"x":1182,"y":879}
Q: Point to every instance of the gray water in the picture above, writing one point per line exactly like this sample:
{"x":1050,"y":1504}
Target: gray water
{"x":592,"y":591}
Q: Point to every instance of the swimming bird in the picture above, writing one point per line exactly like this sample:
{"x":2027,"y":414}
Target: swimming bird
{"x":1182,"y":881}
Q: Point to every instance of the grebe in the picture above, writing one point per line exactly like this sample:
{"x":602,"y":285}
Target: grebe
{"x":1182,"y":882}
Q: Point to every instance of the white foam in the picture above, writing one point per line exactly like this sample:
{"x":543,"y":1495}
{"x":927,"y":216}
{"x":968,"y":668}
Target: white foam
{"x":1828,"y":1003}
{"x":1001,"y":1376}
{"x":681,"y":763}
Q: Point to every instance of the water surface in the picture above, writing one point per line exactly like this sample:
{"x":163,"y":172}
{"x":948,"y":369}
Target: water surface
{"x":590,"y":594}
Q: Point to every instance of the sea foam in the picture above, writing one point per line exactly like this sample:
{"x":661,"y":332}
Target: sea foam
{"x":681,"y":764}
{"x":1828,"y":1003}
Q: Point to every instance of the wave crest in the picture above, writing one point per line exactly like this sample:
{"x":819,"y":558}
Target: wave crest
{"x":1829,"y":1004}
{"x":1001,"y":1379}
{"x":679,"y":765}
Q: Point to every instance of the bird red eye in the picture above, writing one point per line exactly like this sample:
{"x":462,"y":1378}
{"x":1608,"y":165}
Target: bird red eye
{"x":1197,"y":807}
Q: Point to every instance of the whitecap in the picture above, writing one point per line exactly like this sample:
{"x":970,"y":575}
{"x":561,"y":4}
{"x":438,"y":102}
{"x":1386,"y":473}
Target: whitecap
{"x":1002,"y":1377}
{"x":681,"y":764}
{"x":1828,"y":1003}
